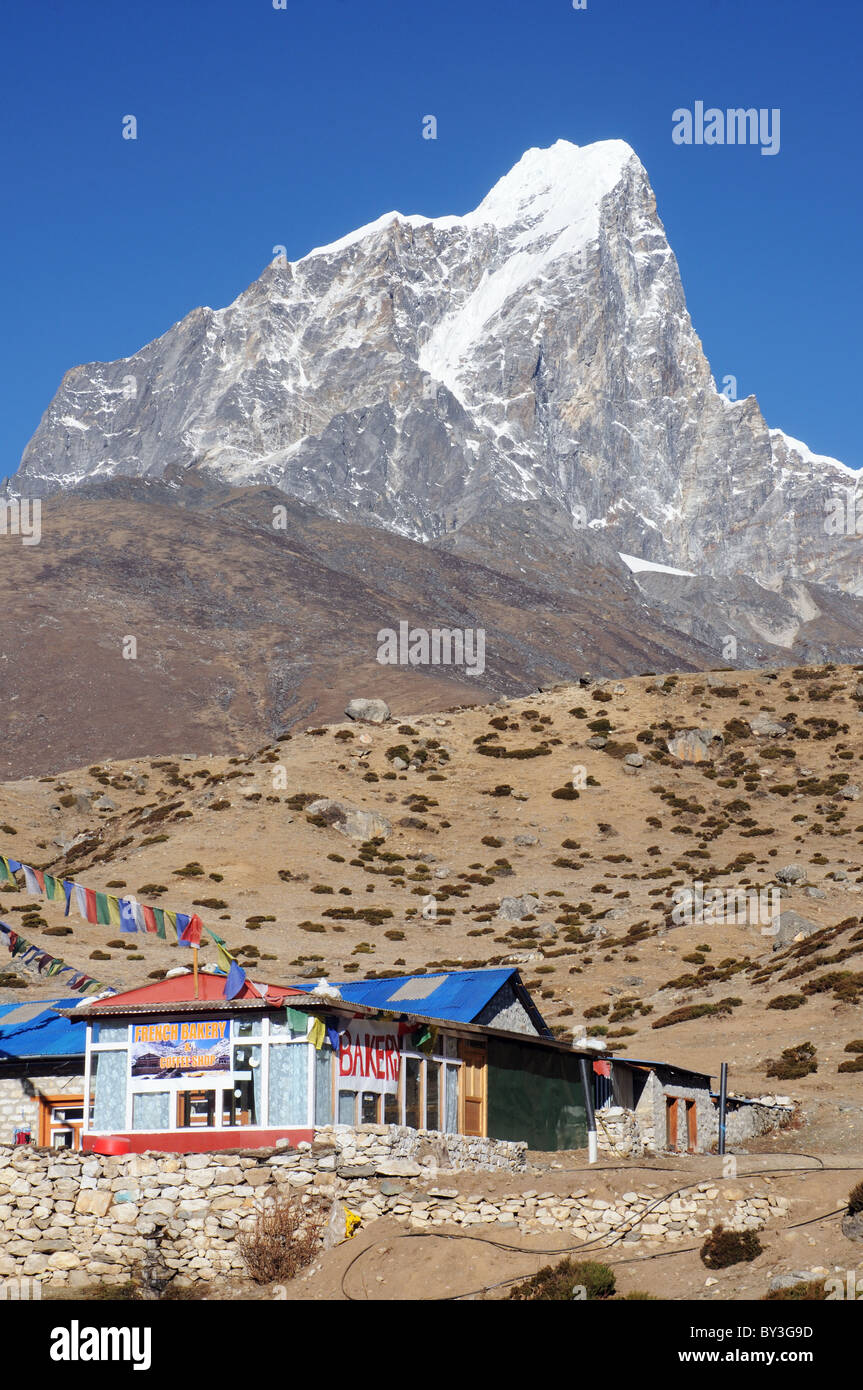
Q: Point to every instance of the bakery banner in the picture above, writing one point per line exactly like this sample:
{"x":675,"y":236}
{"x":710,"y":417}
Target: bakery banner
{"x":370,"y":1057}
{"x":181,"y":1049}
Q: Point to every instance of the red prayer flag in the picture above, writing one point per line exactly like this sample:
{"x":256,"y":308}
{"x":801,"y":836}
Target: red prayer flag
{"x":149,"y":919}
{"x":602,"y":1068}
{"x":192,"y":931}
{"x":92,"y":908}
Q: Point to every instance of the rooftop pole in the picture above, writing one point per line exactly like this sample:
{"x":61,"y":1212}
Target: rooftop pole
{"x":587,"y":1087}
{"x":723,"y":1103}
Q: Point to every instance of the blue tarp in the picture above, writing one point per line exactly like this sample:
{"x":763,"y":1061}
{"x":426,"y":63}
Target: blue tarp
{"x":458,"y":995}
{"x":34,"y":1029}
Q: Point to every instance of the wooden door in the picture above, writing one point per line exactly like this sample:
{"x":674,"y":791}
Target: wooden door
{"x":691,"y":1127}
{"x":671,"y":1122}
{"x":474,"y":1074}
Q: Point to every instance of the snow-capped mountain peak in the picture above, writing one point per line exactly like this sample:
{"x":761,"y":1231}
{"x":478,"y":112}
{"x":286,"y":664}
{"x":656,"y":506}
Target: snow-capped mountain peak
{"x":422,"y":370}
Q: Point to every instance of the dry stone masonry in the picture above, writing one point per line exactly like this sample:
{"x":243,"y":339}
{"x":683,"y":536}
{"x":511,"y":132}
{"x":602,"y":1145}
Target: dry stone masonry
{"x":70,"y":1219}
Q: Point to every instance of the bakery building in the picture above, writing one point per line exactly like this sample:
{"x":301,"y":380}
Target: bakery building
{"x":462,"y":1052}
{"x":177,"y":1066}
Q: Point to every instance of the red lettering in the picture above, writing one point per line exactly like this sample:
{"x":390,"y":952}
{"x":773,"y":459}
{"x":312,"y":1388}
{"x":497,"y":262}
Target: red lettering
{"x":346,"y":1060}
{"x":369,"y":1057}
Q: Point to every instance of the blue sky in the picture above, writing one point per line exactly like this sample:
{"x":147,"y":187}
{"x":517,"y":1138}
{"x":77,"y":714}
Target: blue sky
{"x":259,"y":127}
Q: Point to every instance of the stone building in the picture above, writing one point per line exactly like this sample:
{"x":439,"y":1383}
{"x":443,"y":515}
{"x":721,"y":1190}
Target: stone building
{"x":42,"y":1073}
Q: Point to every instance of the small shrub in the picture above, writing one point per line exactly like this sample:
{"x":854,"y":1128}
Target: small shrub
{"x":723,"y":1248}
{"x":812,"y":1291}
{"x":794,"y":1063}
{"x":557,"y":1283}
{"x":787,"y":1001}
{"x":283,"y":1240}
{"x":855,"y":1200}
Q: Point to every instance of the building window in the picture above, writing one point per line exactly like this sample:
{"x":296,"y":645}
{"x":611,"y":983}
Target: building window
{"x":347,"y":1114}
{"x":370,"y":1108}
{"x":324,"y":1085}
{"x":451,"y":1113}
{"x":289,"y":1084}
{"x":413,"y":1092}
{"x":151,"y":1110}
{"x":196,"y":1109}
{"x":108,"y":1081}
{"x":433,"y":1070}
{"x":61,"y":1119}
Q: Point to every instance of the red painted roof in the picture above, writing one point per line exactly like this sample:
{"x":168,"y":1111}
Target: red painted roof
{"x":181,"y":989}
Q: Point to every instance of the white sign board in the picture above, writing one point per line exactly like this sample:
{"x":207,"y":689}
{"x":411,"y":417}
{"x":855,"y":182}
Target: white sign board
{"x":370,"y":1057}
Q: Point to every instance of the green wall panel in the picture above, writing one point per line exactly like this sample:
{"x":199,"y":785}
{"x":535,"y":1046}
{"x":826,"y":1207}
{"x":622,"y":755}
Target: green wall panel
{"x":535,"y":1095}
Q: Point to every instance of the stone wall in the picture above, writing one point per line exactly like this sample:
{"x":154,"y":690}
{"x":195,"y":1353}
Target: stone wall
{"x":69,"y":1219}
{"x":619,"y":1133}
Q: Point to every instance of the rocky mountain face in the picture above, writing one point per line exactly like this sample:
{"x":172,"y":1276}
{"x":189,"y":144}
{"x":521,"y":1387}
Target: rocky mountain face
{"x":420,"y":371}
{"x":241,"y":632}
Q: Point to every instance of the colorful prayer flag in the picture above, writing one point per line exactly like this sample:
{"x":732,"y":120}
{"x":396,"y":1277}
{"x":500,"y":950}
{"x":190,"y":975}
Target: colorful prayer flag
{"x":31,"y":882}
{"x":190,"y":933}
{"x":297,"y":1022}
{"x":235,"y":980}
{"x":126,"y":908}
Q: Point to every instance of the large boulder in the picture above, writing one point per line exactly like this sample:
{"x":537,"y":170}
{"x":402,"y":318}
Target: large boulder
{"x":350,"y":820}
{"x":696,"y":745}
{"x":763,"y":727}
{"x":791,"y":874}
{"x":516,"y":909}
{"x":368,"y":711}
{"x":789,"y":927}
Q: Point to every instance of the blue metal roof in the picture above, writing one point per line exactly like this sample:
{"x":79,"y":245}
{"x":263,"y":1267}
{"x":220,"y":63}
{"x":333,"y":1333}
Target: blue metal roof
{"x":458,"y":995}
{"x":34,"y":1029}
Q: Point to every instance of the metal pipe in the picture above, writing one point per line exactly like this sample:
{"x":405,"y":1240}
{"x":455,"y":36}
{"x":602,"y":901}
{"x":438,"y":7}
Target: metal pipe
{"x":587,"y":1087}
{"x":723,"y":1102}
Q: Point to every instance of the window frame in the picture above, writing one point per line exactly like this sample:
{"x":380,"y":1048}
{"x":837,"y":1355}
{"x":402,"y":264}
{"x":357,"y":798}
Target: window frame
{"x":260,"y":1035}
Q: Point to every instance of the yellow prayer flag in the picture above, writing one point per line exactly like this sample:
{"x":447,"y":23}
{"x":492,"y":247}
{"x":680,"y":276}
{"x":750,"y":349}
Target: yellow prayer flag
{"x":226,"y":960}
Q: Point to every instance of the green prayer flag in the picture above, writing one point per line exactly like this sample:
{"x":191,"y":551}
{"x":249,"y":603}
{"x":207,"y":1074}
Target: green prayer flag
{"x":297,"y":1022}
{"x":160,"y":922}
{"x":103,"y":912}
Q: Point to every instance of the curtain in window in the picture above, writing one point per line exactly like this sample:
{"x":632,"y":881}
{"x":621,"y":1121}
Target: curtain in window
{"x":109,"y":1110}
{"x":247,"y":1060}
{"x":451,"y":1103}
{"x":323,"y":1085}
{"x":289,"y":1084}
{"x":151,"y":1110}
{"x":347,"y":1108}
